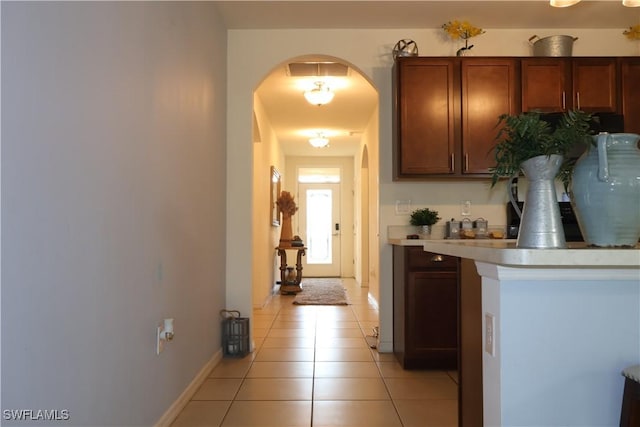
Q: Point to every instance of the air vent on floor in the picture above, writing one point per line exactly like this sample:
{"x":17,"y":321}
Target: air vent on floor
{"x":314,"y":69}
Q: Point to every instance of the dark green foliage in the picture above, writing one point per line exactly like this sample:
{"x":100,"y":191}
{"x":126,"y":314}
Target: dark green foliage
{"x":424,"y":217}
{"x":526,"y":135}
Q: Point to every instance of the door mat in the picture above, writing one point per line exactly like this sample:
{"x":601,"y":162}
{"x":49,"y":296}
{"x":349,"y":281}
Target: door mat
{"x":321,"y":292}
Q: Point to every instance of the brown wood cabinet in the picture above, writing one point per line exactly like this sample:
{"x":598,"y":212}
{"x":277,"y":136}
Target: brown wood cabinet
{"x":561,"y":84}
{"x":425,"y":101}
{"x":425,"y":308}
{"x":489,"y":89}
{"x":446,"y":111}
{"x":470,"y":401}
{"x":630,"y":77}
{"x":446,"y":108}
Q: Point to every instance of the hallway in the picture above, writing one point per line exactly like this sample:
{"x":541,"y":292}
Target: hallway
{"x":313,"y":367}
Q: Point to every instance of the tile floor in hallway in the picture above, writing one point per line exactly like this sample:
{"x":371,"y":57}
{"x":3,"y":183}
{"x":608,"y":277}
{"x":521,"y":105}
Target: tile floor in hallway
{"x":313,"y":367}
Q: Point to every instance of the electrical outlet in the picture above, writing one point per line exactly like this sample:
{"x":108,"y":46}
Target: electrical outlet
{"x":489,"y":334}
{"x":465,"y":208}
{"x":159,"y":342}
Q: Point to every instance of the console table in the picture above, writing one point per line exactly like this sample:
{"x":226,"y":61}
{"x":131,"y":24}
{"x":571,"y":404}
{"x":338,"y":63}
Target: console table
{"x":290,"y":283}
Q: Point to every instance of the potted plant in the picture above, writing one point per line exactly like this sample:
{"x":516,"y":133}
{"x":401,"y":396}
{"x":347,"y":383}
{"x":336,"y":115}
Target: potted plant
{"x":527,"y":135}
{"x":424,"y":218}
{"x":526,"y":143}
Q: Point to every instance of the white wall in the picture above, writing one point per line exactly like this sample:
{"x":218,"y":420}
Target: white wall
{"x":559,"y":331}
{"x":252,"y":53}
{"x":266,"y":153}
{"x":113,"y":186}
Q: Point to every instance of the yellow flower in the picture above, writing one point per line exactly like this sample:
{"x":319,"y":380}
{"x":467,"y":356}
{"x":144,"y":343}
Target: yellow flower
{"x":633,"y":33}
{"x":461,"y":30}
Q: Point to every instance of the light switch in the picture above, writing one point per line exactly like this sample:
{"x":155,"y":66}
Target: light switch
{"x":465,"y":209}
{"x":403,"y":207}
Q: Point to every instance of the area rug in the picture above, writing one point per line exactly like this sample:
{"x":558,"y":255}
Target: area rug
{"x":321,"y":292}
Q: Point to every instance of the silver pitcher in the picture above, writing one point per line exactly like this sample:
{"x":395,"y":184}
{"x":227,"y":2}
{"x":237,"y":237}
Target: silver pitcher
{"x":540,"y":220}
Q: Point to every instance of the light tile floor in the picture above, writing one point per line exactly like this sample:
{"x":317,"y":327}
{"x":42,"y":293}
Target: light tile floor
{"x":313,"y":367}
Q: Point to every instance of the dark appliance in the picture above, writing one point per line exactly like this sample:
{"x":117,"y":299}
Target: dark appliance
{"x":569,"y":222}
{"x":601,"y":122}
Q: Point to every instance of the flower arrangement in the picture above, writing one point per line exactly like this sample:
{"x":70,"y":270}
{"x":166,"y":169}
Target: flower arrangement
{"x":633,"y":33}
{"x":461,"y":30}
{"x":286,"y":204}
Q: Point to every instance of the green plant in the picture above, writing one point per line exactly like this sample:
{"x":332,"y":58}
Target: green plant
{"x":527,"y":135}
{"x":424,"y":216}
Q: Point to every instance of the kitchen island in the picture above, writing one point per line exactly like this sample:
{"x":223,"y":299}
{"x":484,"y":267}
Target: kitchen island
{"x":564,"y":323}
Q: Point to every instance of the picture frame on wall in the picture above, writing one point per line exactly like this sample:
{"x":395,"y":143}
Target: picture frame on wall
{"x":275,"y":192}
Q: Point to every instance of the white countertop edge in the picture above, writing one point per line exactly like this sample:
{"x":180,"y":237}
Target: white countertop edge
{"x":556,"y":273}
{"x":504,"y":252}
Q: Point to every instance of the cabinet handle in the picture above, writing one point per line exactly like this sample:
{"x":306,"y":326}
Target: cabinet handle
{"x":564,"y":100}
{"x":452,"y":163}
{"x":466,"y":162}
{"x":437,"y":258}
{"x":578,"y":99}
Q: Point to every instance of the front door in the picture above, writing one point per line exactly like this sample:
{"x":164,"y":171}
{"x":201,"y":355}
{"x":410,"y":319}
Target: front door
{"x":319,"y":228}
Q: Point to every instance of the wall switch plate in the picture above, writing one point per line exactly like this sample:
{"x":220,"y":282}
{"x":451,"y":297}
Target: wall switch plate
{"x":159,"y":342}
{"x":465,"y":209}
{"x":489,"y":334}
{"x":403,"y":207}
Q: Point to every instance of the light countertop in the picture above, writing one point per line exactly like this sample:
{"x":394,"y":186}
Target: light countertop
{"x":504,"y":252}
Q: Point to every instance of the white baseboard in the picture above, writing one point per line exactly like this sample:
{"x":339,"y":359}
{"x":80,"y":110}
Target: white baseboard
{"x":385,"y":347}
{"x":176,"y":407}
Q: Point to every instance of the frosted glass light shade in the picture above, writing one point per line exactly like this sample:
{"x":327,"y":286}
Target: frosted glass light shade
{"x":319,"y":142}
{"x":563,"y":3}
{"x":319,"y":95}
{"x":631,"y":3}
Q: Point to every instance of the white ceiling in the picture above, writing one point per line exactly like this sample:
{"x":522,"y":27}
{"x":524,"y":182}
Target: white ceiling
{"x":423,"y":14}
{"x":354,"y":103}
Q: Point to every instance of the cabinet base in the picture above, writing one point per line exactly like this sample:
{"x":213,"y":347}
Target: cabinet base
{"x":444,"y":361}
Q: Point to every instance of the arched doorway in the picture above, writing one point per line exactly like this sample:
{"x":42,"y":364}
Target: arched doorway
{"x":284,"y":121}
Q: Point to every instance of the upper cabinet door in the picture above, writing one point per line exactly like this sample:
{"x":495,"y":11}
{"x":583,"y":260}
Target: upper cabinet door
{"x":630,"y":72}
{"x":595,"y":85}
{"x":489,"y":89}
{"x":544,"y":84}
{"x":425,"y":115}
{"x":554,"y":85}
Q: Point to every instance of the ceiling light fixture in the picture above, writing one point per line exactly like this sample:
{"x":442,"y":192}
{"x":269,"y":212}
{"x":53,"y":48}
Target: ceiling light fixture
{"x":319,"y":95}
{"x":563,"y":3}
{"x":566,"y":3}
{"x":319,"y":141}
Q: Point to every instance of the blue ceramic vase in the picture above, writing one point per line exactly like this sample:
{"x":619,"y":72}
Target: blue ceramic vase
{"x":605,"y":191}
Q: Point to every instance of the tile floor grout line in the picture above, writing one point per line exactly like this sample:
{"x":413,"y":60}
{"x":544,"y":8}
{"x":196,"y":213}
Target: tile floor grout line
{"x":313,"y":371}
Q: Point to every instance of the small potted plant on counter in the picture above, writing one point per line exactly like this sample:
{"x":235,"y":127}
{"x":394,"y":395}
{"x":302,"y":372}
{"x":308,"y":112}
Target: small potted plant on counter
{"x":424,"y":218}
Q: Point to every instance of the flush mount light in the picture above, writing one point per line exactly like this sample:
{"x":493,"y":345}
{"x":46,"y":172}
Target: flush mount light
{"x":566,"y":3}
{"x":321,"y":94}
{"x":319,"y":141}
{"x":563,"y":3}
